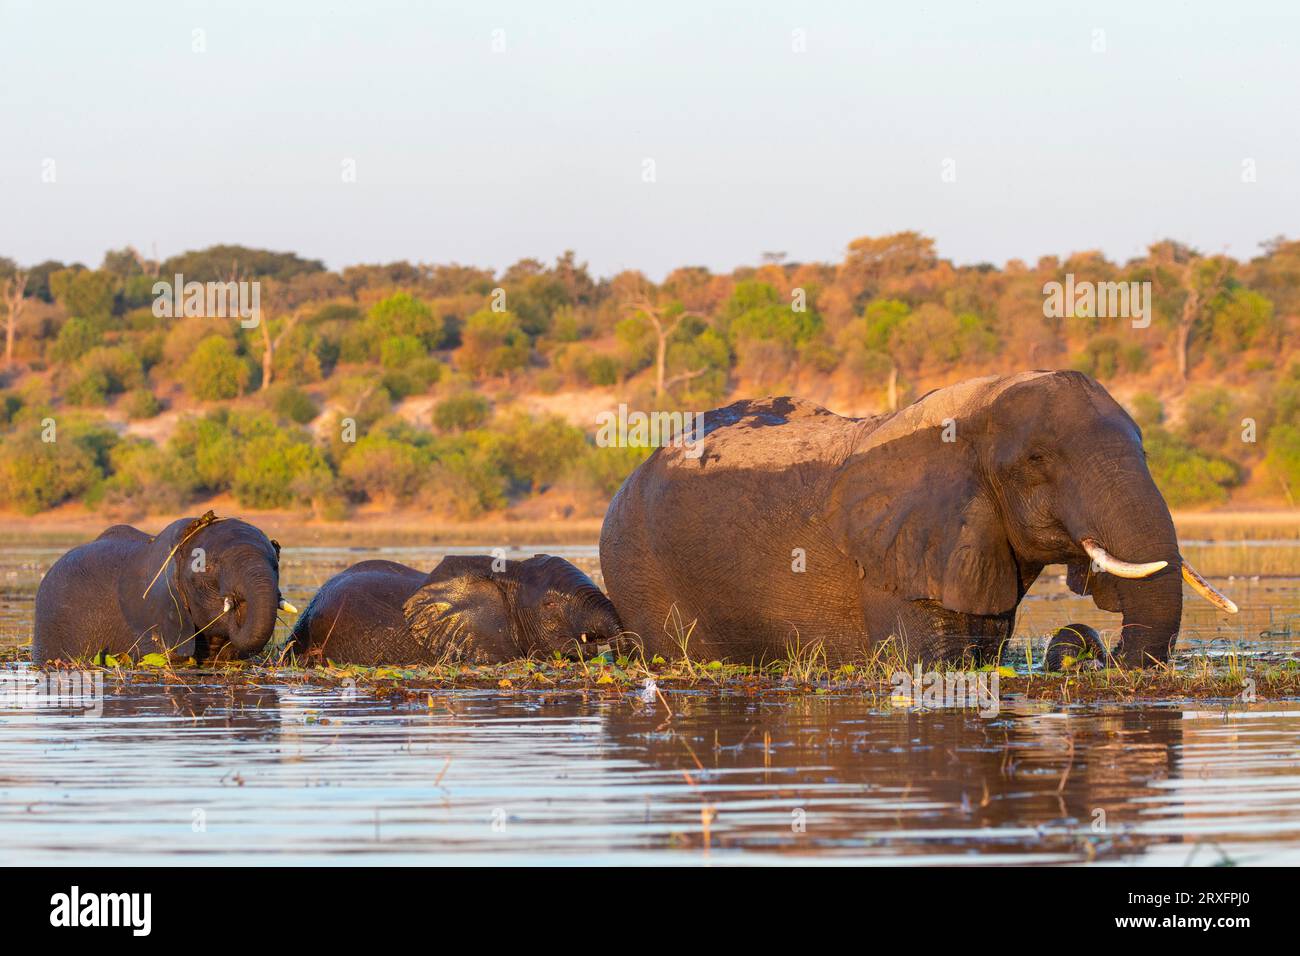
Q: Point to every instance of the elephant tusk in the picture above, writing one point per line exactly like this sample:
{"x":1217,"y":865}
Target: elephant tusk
{"x":1207,"y":590}
{"x":286,"y":606}
{"x":1121,"y":569}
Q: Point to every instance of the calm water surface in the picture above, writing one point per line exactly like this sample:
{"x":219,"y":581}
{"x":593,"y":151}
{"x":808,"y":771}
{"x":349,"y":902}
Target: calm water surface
{"x":208,"y":774}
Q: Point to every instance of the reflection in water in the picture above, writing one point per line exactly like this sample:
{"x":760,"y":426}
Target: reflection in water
{"x":208,"y":773}
{"x":213,"y":774}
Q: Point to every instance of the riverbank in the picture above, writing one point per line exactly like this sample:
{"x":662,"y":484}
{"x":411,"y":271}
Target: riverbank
{"x":1228,"y":679}
{"x":375,"y":528}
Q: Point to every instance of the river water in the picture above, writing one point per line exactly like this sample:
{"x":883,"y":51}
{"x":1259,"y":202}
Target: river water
{"x":205,"y":773}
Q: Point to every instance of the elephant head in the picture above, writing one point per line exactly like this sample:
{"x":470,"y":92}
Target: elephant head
{"x":1020,"y":472}
{"x":486,"y":609}
{"x":215,"y":586}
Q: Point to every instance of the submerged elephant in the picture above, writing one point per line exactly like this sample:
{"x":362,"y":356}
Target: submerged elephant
{"x":1075,"y":646}
{"x":787,"y":526}
{"x":203,"y":587}
{"x":470,"y":607}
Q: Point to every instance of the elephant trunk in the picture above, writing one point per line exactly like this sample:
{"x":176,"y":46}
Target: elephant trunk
{"x":1143,"y":581}
{"x":592,"y":616}
{"x":1153,"y":610}
{"x":260,"y":593}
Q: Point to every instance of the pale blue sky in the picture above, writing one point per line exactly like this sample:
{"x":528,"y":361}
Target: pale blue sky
{"x":483,"y":157}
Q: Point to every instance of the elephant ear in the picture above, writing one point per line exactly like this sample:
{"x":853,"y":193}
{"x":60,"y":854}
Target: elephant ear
{"x":162,"y":609}
{"x":461,"y":612}
{"x":1081,"y":579}
{"x":935,"y":536}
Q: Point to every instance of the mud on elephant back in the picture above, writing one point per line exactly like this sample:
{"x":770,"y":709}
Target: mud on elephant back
{"x":472,"y":608}
{"x":205,"y":587}
{"x":798,"y":527}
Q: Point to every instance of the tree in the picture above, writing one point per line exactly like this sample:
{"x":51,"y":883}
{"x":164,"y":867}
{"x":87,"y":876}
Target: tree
{"x":879,"y":333}
{"x":871,"y":263}
{"x":214,"y":371}
{"x":213,"y":264}
{"x":492,"y":343}
{"x":664,"y":320}
{"x":85,"y":293}
{"x":14,"y":291}
{"x":1202,"y":281}
{"x":269,"y":344}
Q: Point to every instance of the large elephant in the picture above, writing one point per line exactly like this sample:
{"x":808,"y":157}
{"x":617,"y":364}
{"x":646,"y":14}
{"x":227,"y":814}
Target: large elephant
{"x":472,"y":608}
{"x":204,"y":587}
{"x":791,"y":526}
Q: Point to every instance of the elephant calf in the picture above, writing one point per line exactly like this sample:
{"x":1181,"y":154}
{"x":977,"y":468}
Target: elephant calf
{"x":470,"y":607}
{"x":203,"y":587}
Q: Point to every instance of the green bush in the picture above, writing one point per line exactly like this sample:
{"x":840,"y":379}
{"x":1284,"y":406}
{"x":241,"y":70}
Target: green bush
{"x":401,"y":314}
{"x":415,"y":378}
{"x":1210,"y":419}
{"x":492,"y":344}
{"x":577,"y":364}
{"x":1147,"y":410}
{"x":362,"y":399}
{"x":212,"y":447}
{"x":603,"y":470}
{"x":1283,"y":459}
{"x":756,"y":311}
{"x":536,"y":452}
{"x":102,"y":372}
{"x":142,"y":403}
{"x":214,"y":372}
{"x":302,"y":357}
{"x":398,"y":316}
{"x":292,"y":403}
{"x":601,"y":370}
{"x":385,"y":469}
{"x":75,"y":339}
{"x":1184,"y":475}
{"x":636,"y":344}
{"x":277,"y":471}
{"x":399,"y":351}
{"x":1286,"y":397}
{"x":1244,"y":320}
{"x":86,"y":387}
{"x":461,"y":412}
{"x":147,"y":477}
{"x":468,"y":477}
{"x":36,"y":475}
{"x":10,"y":404}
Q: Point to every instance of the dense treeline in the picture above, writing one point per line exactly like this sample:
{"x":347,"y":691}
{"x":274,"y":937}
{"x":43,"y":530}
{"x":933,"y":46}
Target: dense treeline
{"x":429,"y":362}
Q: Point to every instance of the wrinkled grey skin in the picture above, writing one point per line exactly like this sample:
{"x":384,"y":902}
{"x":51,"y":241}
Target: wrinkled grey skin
{"x":379,"y":612}
{"x":927,"y":525}
{"x":99,"y":596}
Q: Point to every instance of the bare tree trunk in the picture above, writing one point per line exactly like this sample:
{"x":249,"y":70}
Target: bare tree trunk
{"x":661,"y":358}
{"x":1191,"y":307}
{"x":663,"y":333}
{"x":14,"y":290}
{"x":268,"y":355}
{"x":892,"y":388}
